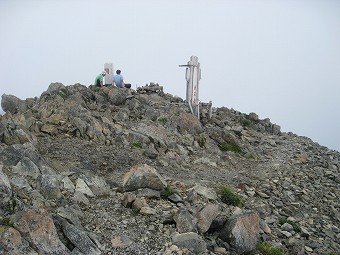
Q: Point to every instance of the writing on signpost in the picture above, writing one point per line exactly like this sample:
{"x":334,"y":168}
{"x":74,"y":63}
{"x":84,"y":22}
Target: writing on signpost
{"x":193,"y":75}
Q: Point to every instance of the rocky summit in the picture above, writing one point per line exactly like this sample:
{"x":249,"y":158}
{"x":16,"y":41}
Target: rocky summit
{"x":88,"y":170}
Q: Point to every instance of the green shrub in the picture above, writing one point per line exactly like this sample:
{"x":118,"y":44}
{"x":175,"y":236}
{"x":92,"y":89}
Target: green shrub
{"x":168,"y":191}
{"x":201,"y":141}
{"x":136,"y":145}
{"x":6,"y":222}
{"x":11,"y":206}
{"x":246,"y":123}
{"x":267,"y":249}
{"x":251,"y":155}
{"x":230,"y":147}
{"x":135,"y":211}
{"x":295,"y":225}
{"x":228,"y":196}
{"x":162,"y":119}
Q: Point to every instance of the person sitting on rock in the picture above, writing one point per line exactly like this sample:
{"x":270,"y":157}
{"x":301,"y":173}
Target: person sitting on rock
{"x":118,"y":80}
{"x":99,"y":79}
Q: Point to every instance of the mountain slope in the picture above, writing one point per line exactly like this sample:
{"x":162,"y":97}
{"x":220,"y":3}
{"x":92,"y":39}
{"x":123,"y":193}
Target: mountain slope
{"x":72,"y":147}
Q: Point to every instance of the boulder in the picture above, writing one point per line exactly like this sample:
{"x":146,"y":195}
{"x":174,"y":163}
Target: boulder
{"x":55,"y":87}
{"x":206,"y":216}
{"x":209,"y":193}
{"x":38,"y":227}
{"x":143,"y":176}
{"x":98,"y":185}
{"x":190,"y":241}
{"x":80,"y":239}
{"x":11,"y":133}
{"x":117,"y":96}
{"x":12,"y":104}
{"x":242,"y":232}
{"x":188,"y":123}
{"x":26,"y":167}
{"x":184,"y":221}
{"x":82,"y":187}
{"x":11,"y":242}
{"x":49,"y":186}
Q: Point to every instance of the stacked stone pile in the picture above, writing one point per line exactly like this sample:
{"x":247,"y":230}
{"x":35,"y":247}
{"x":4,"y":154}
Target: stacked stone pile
{"x":90,"y":171}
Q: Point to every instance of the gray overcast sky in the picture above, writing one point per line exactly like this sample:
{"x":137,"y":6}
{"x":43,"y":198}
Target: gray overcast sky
{"x":277,"y":58}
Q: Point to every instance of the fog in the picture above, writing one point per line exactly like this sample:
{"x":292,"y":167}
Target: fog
{"x":279,"y":59}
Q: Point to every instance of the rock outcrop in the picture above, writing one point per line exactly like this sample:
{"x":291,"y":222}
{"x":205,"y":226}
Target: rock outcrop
{"x":85,"y":170}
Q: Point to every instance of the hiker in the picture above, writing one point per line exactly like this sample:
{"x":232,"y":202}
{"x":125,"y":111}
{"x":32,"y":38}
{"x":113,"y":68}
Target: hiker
{"x":118,"y":80}
{"x":99,"y":79}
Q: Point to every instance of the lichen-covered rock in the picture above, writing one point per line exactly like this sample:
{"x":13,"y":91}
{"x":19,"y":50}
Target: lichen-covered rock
{"x":11,"y":243}
{"x":38,"y":227}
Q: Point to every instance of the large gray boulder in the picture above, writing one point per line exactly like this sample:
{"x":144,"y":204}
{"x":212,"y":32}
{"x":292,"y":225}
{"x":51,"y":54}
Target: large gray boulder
{"x":98,"y":185}
{"x":242,"y":232}
{"x":11,"y":155}
{"x":55,"y":87}
{"x":206,"y":216}
{"x":191,"y":241}
{"x":184,"y":221}
{"x":49,"y":186}
{"x":188,"y":123}
{"x":117,"y":96}
{"x":26,"y":167}
{"x":12,"y":104}
{"x":143,"y":176}
{"x":80,"y":239}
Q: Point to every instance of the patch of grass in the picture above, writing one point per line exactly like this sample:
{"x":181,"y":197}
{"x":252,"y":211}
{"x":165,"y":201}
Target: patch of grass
{"x":135,"y":211}
{"x":267,"y":249}
{"x":6,"y":222}
{"x":295,"y":225}
{"x":228,"y":196}
{"x":11,"y":206}
{"x":230,"y":147}
{"x":201,"y":141}
{"x":162,"y":119}
{"x":136,"y":145}
{"x":168,"y":191}
{"x":246,"y":123}
{"x":251,"y":156}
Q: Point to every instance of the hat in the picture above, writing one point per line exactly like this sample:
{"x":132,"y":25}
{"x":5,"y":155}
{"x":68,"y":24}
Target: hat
{"x":103,"y":73}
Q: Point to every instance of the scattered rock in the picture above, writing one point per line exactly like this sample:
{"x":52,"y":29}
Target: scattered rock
{"x":66,"y":188}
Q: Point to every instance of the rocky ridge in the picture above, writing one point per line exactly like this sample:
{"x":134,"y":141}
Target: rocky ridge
{"x":85,"y":170}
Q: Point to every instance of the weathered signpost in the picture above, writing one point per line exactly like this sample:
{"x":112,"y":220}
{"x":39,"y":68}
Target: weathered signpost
{"x":193,"y":76}
{"x":108,"y":67}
